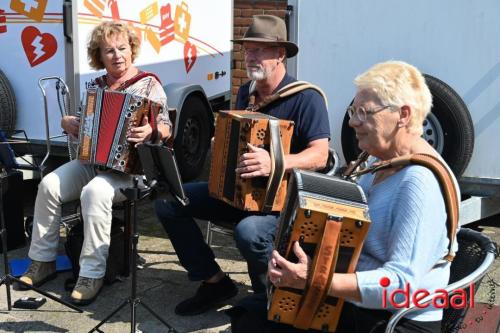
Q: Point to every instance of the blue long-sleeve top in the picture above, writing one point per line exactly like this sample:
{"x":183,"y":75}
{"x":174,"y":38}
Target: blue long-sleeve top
{"x":406,"y":239}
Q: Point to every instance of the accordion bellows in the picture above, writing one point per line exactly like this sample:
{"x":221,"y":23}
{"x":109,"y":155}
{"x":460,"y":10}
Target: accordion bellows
{"x":328,"y":216}
{"x":233,"y":130}
{"x":104,"y":123}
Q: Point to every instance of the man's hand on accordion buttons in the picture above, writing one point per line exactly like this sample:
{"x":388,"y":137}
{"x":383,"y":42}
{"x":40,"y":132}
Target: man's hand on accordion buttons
{"x":71,"y":125}
{"x":284,"y":273}
{"x":140,"y":133}
{"x":256,"y":162}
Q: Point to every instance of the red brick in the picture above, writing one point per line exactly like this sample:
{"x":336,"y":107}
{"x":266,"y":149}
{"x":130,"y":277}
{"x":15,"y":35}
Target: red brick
{"x":235,"y":81}
{"x":239,"y":73}
{"x":266,"y":5}
{"x":241,"y":65}
{"x":238,"y":56}
{"x":236,"y":12}
{"x":243,"y":4}
{"x":257,"y":11}
{"x":246,"y":12}
{"x":282,"y":6}
{"x":279,"y":13}
{"x":242,"y":22}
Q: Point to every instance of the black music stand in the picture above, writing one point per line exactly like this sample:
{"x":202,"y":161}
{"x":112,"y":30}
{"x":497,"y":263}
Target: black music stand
{"x":7,"y":162}
{"x":160,"y":168}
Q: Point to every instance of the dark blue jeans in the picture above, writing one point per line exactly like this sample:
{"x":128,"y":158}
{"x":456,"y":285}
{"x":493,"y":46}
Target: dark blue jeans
{"x":254,"y":234}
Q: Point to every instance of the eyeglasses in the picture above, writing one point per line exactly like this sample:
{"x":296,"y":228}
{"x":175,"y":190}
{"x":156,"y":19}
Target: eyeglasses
{"x":257,"y":50}
{"x":361,"y":113}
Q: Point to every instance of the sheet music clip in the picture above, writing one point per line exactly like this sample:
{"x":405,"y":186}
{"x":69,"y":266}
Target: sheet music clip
{"x":160,"y":167}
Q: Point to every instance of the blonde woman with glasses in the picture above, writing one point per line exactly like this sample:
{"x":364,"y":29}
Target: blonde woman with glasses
{"x":408,"y":234}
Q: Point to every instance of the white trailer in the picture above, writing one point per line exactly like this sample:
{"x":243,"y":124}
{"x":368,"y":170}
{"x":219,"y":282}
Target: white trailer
{"x":455,"y":42}
{"x":185,"y":42}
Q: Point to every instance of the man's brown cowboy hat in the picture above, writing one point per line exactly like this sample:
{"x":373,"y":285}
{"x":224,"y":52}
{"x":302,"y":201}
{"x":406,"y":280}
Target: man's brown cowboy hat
{"x":269,"y":29}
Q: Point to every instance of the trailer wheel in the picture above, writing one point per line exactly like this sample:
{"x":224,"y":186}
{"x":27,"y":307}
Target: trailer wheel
{"x":449,"y":128}
{"x":193,"y":138}
{"x":7,"y":106}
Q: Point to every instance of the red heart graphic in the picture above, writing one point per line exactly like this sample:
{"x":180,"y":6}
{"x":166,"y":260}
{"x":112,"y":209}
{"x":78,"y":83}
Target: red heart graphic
{"x":3,"y":21}
{"x":37,"y":46}
{"x":189,"y":55}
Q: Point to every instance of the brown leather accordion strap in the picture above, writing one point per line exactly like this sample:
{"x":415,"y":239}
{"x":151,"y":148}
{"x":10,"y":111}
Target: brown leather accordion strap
{"x":155,"y":134}
{"x":446,"y":182}
{"x":286,"y":91}
{"x":277,"y":165}
{"x":351,"y":168}
{"x":321,"y":274}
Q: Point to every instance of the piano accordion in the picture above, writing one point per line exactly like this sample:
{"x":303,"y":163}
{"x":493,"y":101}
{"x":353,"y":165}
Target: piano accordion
{"x":233,"y":130}
{"x":328,"y":216}
{"x":104,"y":123}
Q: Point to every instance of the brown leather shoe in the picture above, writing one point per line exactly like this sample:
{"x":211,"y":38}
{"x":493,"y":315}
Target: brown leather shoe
{"x":37,"y":274}
{"x":86,"y":290}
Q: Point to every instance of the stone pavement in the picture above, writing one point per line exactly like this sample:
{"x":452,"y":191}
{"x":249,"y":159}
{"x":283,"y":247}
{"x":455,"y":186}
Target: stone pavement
{"x":161,"y":285}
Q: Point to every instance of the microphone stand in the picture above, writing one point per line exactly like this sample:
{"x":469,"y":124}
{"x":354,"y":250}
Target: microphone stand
{"x":160,"y":168}
{"x":134,"y":194}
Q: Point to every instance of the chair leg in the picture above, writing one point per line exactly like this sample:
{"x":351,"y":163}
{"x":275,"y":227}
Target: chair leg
{"x":209,"y":233}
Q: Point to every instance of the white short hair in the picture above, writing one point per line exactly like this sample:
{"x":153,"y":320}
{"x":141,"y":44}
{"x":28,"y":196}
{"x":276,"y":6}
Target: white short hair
{"x":399,"y":83}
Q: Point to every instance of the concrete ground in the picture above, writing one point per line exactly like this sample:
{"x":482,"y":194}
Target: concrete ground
{"x":161,"y":285}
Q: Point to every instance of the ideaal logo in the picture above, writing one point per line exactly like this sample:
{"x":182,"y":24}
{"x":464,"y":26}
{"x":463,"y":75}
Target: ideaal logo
{"x":441,"y":300}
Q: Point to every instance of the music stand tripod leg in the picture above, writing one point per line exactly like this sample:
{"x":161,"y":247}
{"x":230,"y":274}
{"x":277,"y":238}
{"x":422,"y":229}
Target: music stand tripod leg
{"x":7,"y":279}
{"x":133,"y":194}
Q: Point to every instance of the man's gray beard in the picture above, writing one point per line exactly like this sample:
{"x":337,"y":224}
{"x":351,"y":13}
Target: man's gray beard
{"x":257,"y":75}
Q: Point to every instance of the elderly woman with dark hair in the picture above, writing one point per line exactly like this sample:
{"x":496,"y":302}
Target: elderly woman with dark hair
{"x":408,"y":234}
{"x":113,"y":47}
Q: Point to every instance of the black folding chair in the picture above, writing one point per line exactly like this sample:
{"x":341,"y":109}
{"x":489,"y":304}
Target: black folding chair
{"x":476,"y":253}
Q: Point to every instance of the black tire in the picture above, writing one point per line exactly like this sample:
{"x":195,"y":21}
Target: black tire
{"x":449,"y":128}
{"x":193,"y":138}
{"x":7,"y":106}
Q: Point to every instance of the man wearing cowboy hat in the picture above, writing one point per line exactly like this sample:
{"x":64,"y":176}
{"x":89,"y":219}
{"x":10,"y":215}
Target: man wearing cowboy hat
{"x":265,"y":47}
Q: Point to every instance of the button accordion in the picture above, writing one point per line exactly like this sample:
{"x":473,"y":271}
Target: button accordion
{"x":328,"y":216}
{"x":104,"y":124}
{"x":233,"y":131}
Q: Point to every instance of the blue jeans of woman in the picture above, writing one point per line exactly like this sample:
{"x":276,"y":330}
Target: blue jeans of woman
{"x":253,"y":233}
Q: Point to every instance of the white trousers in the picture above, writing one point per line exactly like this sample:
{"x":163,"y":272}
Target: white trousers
{"x":97,"y":192}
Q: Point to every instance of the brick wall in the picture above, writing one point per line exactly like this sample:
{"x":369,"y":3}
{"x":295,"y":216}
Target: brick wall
{"x":243,"y":12}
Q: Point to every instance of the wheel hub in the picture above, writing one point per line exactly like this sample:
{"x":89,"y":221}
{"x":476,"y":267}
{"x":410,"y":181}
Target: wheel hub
{"x":191,"y":139}
{"x":433,"y":133}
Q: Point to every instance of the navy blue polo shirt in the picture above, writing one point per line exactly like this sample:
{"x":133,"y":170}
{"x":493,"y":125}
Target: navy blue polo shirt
{"x":306,"y":109}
